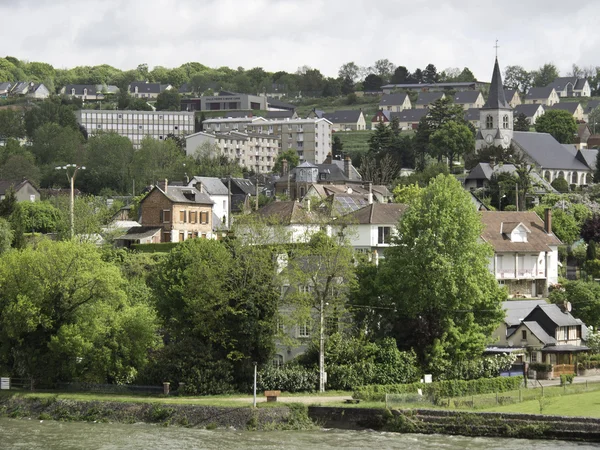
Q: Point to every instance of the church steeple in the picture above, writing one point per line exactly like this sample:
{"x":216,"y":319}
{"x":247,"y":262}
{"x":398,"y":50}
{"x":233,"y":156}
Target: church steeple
{"x":496,"y":98}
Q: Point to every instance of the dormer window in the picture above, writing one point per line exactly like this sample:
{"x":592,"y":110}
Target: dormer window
{"x":489,"y":122}
{"x":84,"y":91}
{"x":515,"y":231}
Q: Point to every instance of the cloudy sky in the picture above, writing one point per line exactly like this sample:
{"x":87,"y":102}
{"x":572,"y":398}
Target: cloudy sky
{"x":286,"y":34}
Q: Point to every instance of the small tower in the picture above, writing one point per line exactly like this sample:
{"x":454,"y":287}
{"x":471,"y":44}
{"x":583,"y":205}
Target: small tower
{"x":496,"y":116}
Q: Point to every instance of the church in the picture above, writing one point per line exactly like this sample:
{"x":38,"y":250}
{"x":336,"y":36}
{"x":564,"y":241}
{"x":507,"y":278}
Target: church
{"x":550,"y":158}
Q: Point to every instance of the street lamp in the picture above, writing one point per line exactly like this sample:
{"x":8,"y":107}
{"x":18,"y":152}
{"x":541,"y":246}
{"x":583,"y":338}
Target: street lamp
{"x":71,"y":177}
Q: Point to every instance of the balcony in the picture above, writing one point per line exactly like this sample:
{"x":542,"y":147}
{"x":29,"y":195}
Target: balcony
{"x":521,"y":274}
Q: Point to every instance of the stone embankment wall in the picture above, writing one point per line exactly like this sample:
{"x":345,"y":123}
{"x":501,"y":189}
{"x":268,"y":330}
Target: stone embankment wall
{"x":50,"y":408}
{"x":460,"y":423}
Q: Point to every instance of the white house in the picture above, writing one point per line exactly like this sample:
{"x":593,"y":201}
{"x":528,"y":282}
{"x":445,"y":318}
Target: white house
{"x":219,"y":194}
{"x":525,"y":251}
{"x":571,"y":87}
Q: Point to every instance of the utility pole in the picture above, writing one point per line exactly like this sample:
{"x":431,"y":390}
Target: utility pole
{"x":322,"y":348}
{"x":256,"y":184}
{"x":71,"y":179}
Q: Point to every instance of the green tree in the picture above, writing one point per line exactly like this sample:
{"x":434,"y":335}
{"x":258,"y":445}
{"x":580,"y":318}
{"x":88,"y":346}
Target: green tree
{"x":210,"y":162}
{"x":291,"y":156}
{"x":564,"y":224}
{"x":40,"y":217}
{"x":560,"y":184}
{"x":156,"y":160}
{"x":545,"y":75}
{"x":12,"y":124}
{"x":584,"y":298}
{"x":349,"y":70}
{"x":6,"y":235}
{"x":521,"y":122}
{"x":108,"y":160}
{"x":372,"y":82}
{"x":381,"y":139}
{"x":560,"y":124}
{"x":452,"y":140}
{"x":50,"y":110}
{"x":446,"y":300}
{"x":337,"y":148}
{"x":516,"y":77}
{"x":168,"y":100}
{"x":62,"y":324}
{"x":430,"y":74}
{"x":401,"y":76}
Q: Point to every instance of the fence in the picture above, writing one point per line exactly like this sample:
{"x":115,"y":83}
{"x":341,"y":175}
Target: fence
{"x":24,"y":384}
{"x":483,"y":401}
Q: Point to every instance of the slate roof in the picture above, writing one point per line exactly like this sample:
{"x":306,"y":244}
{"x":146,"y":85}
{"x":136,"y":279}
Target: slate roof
{"x":539,"y":332}
{"x":345,"y":116}
{"x":379,"y":213}
{"x":91,"y":89}
{"x":537,"y":239}
{"x":539,"y":93}
{"x":472,"y":114}
{"x":147,"y":88}
{"x":466,"y":97}
{"x":588,"y":157}
{"x":176,"y":195}
{"x":5,"y":87}
{"x":517,"y":310}
{"x":528,"y":109}
{"x":276,"y":103}
{"x":289,"y":212}
{"x":410,"y":115}
{"x":484,"y":171}
{"x":560,"y":83}
{"x":393,"y":99}
{"x":246,"y":186}
{"x":238,"y":114}
{"x":509,"y":94}
{"x":138,"y":233}
{"x":425,"y":98}
{"x":566,"y":106}
{"x":557,"y":316}
{"x":5,"y":185}
{"x":546,"y":151}
{"x":210,"y":185}
{"x":279,"y":114}
{"x":591,"y":105}
{"x":496,"y":99}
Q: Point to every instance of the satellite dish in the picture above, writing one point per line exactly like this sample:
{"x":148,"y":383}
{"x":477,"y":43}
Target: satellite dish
{"x":568,"y":306}
{"x":510,"y":343}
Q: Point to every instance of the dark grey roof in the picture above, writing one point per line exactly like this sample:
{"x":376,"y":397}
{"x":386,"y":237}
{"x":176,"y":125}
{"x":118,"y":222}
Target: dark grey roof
{"x":528,"y":109}
{"x":561,"y":83}
{"x":393,"y":99}
{"x":566,"y":106}
{"x":146,"y":88}
{"x":546,"y":151}
{"x":466,"y":96}
{"x":185,"y":88}
{"x":280,"y":114}
{"x":484,"y":171}
{"x":354,"y":174}
{"x":425,"y":98}
{"x":246,"y":186}
{"x":472,"y":114}
{"x":449,"y":85}
{"x":410,"y":115}
{"x":539,"y":332}
{"x":517,"y":310}
{"x":79,"y":89}
{"x":539,"y":92}
{"x":378,"y":213}
{"x":210,"y":185}
{"x":591,"y":105}
{"x":177,"y":194}
{"x":237,"y":114}
{"x":588,"y":157}
{"x":5,"y":185}
{"x":509,"y":94}
{"x":138,"y":233}
{"x":346,"y":116}
{"x":306,"y":164}
{"x":555,"y":314}
{"x":5,"y":86}
{"x":275,"y":103}
{"x":496,"y":99}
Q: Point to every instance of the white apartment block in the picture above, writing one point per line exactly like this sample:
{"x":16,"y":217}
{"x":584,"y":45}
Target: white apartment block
{"x":136,"y":125}
{"x":225,"y":124}
{"x":251,"y":150}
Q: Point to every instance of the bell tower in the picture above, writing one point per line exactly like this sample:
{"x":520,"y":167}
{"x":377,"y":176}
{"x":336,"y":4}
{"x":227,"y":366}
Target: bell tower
{"x":496,"y":116}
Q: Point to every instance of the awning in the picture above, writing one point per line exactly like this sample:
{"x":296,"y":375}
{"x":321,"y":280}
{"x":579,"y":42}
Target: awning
{"x":565,"y":349}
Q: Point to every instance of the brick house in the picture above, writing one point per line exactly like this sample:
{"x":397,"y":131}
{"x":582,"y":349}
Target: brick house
{"x":182,"y":212}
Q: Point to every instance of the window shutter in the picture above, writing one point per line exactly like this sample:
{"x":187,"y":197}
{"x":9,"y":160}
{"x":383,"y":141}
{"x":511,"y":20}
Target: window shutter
{"x":162,"y":218}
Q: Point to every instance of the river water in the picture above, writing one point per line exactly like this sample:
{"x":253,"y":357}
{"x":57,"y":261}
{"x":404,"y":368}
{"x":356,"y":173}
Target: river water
{"x":51,"y":435}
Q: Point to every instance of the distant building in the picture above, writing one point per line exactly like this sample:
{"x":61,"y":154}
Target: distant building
{"x":546,"y":96}
{"x":348,"y":120}
{"x":436,"y":87}
{"x":531,"y":111}
{"x":573,"y":108}
{"x":24,"y":190}
{"x":28,"y":89}
{"x":426,"y":98}
{"x":136,"y":125}
{"x":469,"y":99}
{"x":395,"y":102}
{"x":144,"y":89}
{"x":512,"y":97}
{"x":225,"y":101}
{"x":88,"y":92}
{"x":571,"y":87}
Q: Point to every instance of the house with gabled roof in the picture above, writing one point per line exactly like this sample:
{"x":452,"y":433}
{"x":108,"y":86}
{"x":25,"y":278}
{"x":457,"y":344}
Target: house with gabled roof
{"x":25,"y":191}
{"x":346,"y":120}
{"x":532,"y":111}
{"x":278,"y":115}
{"x":480,"y":176}
{"x":144,"y":89}
{"x":472,"y":115}
{"x":409,"y":118}
{"x":575,"y":109}
{"x":525,"y":251}
{"x":571,"y":87}
{"x":89,"y":91}
{"x":182,"y":212}
{"x":513,"y":97}
{"x":426,"y":98}
{"x":5,"y":88}
{"x":583,"y":135}
{"x":218,"y":192}
{"x":542,"y":95}
{"x":395,"y":102}
{"x":469,"y":99}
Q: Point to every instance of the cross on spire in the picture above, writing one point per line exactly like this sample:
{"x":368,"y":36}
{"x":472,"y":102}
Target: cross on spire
{"x":496,"y":47}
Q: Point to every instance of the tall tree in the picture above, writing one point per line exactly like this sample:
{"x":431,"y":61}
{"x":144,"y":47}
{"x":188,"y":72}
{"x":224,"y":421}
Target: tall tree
{"x":385,"y":69}
{"x":373,"y":83}
{"x":337,"y":148}
{"x":452,"y":140}
{"x":516,"y":77}
{"x":349,"y":70}
{"x":521,"y":122}
{"x":446,"y":300}
{"x":545,"y":75}
{"x":291,"y":156}
{"x":559,"y":123}
{"x":108,"y":160}
{"x":168,"y":100}
{"x":430,"y":74}
{"x":157,"y":160}
{"x":401,"y":76}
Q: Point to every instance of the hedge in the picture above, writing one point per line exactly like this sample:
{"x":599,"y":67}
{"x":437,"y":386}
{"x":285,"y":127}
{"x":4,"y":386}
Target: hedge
{"x":154,"y":248}
{"x":441,"y":389}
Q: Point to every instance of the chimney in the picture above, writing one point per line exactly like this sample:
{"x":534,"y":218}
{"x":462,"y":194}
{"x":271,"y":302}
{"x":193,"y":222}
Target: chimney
{"x":284,"y":167}
{"x":166,"y":184}
{"x":370,"y":193}
{"x":347,"y":166}
{"x":327,"y":159}
{"x":548,"y":220}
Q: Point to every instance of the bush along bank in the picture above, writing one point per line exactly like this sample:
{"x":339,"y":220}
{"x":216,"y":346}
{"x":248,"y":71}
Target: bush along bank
{"x":459,"y":423}
{"x":290,"y":416}
{"x":440,"y":389}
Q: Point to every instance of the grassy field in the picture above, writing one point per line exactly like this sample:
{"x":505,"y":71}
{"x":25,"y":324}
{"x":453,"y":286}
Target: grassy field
{"x":355,"y":142}
{"x":369,"y":105}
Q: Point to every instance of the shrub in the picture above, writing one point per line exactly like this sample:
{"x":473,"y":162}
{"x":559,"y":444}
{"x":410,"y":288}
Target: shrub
{"x":441,"y":389}
{"x":289,"y":378}
{"x":560,"y":184}
{"x":154,"y":248}
{"x":567,"y":378}
{"x":541,"y":367}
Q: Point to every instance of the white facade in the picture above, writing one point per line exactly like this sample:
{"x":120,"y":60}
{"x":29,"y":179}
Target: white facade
{"x":136,"y":125}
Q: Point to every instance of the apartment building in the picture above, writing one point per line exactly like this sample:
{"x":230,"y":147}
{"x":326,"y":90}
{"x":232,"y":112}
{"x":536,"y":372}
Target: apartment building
{"x":311,"y":138}
{"x":225,"y":101}
{"x":227,"y":124}
{"x":136,"y":125}
{"x":256,"y":151}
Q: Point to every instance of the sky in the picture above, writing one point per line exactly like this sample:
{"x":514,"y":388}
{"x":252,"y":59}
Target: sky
{"x":286,"y":34}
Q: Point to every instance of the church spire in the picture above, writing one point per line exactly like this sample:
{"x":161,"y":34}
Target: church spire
{"x":496,"y":98}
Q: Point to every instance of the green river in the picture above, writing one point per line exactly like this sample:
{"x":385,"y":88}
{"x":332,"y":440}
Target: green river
{"x":50,"y":435}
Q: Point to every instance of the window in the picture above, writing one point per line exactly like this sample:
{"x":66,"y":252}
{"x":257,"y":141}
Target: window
{"x":505,"y":123}
{"x":166,"y":236}
{"x":489,"y":122}
{"x":383,"y":235}
{"x":524,"y":335}
{"x":193,"y":216}
{"x":303,"y":330}
{"x":278,"y":361}
{"x":182,"y":216}
{"x":181,"y":236}
{"x":304,"y":288}
{"x":534,"y":358}
{"x":204,"y":217}
{"x":331,"y":325}
{"x":120,"y":116}
{"x":165,"y":216}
